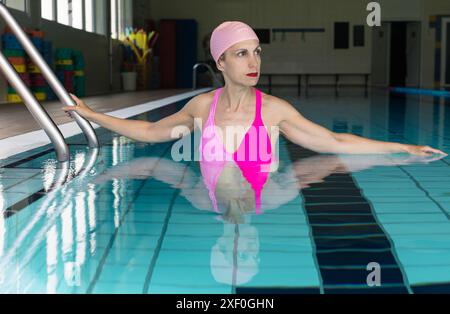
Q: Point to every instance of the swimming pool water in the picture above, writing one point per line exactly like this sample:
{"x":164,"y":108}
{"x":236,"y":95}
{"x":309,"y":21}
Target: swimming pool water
{"x":131,"y":220}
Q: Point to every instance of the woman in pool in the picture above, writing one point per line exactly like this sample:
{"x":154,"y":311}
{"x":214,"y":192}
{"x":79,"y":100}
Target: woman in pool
{"x":236,"y":50}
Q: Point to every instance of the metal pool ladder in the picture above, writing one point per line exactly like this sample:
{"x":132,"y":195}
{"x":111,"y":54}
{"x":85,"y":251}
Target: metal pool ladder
{"x":217,"y":82}
{"x":33,"y":105}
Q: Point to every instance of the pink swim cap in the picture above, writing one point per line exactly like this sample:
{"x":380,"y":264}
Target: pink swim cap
{"x":227,"y":34}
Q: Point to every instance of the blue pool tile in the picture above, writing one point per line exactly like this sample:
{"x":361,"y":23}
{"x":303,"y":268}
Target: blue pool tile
{"x":182,"y":243}
{"x":358,"y":276}
{"x":174,"y":289}
{"x":300,"y":230}
{"x":365,"y":243}
{"x":279,"y":277}
{"x":5,"y":184}
{"x":436,"y":288}
{"x":105,"y":287}
{"x":412,"y":218}
{"x":155,"y":217}
{"x":397,"y":192}
{"x":131,"y":274}
{"x":27,"y":187}
{"x":184,"y":258}
{"x":199,"y":218}
{"x":423,"y":241}
{"x":182,"y":205}
{"x":277,"y":290}
{"x":140,"y":205}
{"x":283,"y":259}
{"x":424,"y":257}
{"x":157,"y":192}
{"x":105,"y":229}
{"x":413,"y":207}
{"x":418,"y":228}
{"x":286,"y":244}
{"x":152,"y":199}
{"x":7,"y":173}
{"x":11,"y":198}
{"x":400,"y":199}
{"x":292,"y":208}
{"x":188,"y":276}
{"x":140,"y":228}
{"x":108,"y":215}
{"x":355,"y":258}
{"x":194,"y":230}
{"x":124,"y":256}
{"x":110,"y":197}
{"x":419,"y":275}
{"x":266,"y":218}
{"x":364,"y":289}
{"x":139,"y":242}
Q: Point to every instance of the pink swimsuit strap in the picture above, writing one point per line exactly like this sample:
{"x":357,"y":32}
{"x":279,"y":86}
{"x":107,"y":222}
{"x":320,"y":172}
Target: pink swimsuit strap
{"x":253,"y":156}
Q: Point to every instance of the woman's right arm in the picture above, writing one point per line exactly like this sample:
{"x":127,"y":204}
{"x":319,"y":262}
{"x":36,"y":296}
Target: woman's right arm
{"x":141,"y":131}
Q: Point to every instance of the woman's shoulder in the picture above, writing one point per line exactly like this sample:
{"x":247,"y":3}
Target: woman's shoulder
{"x":273,"y":105}
{"x":276,"y":109}
{"x":200,"y":102}
{"x":206,"y":97}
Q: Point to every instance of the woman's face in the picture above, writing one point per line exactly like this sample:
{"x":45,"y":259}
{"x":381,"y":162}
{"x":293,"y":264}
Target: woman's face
{"x":240,"y":60}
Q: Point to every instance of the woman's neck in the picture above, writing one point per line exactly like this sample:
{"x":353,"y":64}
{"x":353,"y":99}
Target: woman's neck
{"x":235,"y":97}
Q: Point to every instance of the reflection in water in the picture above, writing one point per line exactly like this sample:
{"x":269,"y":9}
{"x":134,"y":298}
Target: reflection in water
{"x":2,"y":228}
{"x":43,"y":225}
{"x":67,"y":219}
{"x":235,"y":256}
{"x":397,"y":115}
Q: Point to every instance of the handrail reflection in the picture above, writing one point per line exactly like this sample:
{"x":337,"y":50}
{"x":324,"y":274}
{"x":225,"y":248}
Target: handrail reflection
{"x":235,"y":256}
{"x":56,"y":201}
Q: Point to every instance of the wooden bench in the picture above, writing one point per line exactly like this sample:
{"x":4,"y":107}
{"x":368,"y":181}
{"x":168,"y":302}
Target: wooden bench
{"x":336,"y":76}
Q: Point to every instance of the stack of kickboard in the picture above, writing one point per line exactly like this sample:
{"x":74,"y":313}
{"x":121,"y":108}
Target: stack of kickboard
{"x":28,"y":71}
{"x":70,"y":70}
{"x":79,"y":80}
{"x":47,"y":53}
{"x":38,"y":83}
{"x":15,"y":54}
{"x":65,"y":68}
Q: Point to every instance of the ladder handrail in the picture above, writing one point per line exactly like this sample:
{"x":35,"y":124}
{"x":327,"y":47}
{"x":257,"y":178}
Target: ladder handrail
{"x":36,"y":110}
{"x":51,"y":78}
{"x":211,"y":71}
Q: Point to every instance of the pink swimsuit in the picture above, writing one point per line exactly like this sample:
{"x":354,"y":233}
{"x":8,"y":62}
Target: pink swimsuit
{"x":253,"y":156}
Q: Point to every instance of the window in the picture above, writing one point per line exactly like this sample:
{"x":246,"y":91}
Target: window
{"x":88,"y":15}
{"x":114,"y":24}
{"x":62,"y":7}
{"x":100,"y":16}
{"x":77,"y":14}
{"x":121,"y":17}
{"x":358,"y":35}
{"x":16,"y":4}
{"x":48,"y":9}
{"x":341,"y":35}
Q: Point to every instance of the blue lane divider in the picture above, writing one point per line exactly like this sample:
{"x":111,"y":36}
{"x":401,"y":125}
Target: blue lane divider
{"x":432,"y":92}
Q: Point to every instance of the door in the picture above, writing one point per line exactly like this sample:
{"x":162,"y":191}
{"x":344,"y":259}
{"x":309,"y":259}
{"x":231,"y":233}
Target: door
{"x":445,"y":61}
{"x":380,"y":55}
{"x":398,"y":64}
{"x":413,"y":54}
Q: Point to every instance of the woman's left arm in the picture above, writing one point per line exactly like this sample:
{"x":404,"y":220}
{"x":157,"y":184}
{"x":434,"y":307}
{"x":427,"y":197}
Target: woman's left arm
{"x":301,"y":131}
